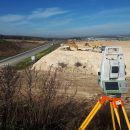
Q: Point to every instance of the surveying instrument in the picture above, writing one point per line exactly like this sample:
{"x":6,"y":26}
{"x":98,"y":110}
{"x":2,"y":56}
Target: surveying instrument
{"x":112,"y":80}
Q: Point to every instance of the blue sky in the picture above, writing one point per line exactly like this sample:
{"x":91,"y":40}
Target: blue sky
{"x":59,"y":18}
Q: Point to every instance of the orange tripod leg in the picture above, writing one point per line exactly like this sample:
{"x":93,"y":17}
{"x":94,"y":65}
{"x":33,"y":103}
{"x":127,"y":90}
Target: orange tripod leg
{"x":112,"y":115}
{"x":118,"y":117}
{"x":126,"y":117}
{"x":90,"y":116}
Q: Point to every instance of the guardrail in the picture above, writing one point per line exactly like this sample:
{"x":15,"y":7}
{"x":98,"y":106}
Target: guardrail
{"x":19,"y":57}
{"x":20,"y":54}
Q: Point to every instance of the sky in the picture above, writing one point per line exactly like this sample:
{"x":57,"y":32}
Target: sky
{"x":64,"y":18}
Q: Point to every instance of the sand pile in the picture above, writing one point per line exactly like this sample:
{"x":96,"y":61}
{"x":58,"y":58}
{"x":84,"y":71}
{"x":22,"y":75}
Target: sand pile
{"x":87,"y":60}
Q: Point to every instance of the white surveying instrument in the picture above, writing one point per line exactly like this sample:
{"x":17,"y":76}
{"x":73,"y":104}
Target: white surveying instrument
{"x":112,"y":75}
{"x":113,"y":83}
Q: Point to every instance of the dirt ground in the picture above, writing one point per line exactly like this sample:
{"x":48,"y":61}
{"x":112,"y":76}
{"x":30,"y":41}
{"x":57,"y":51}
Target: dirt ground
{"x":78,"y":68}
{"x":10,"y":47}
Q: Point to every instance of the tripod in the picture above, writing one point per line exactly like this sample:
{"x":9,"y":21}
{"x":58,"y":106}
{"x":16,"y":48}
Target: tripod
{"x":114,"y":104}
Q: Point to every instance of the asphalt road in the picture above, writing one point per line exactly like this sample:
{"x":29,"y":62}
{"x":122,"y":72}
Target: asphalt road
{"x":17,"y":58}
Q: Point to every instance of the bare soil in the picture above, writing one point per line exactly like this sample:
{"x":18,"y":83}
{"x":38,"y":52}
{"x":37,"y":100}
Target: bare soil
{"x":83,"y":78}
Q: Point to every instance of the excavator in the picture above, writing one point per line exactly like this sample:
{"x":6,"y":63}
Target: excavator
{"x":96,"y":45}
{"x":71,"y":44}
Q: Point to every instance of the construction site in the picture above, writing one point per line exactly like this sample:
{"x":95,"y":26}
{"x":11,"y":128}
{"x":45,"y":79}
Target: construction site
{"x":65,"y":65}
{"x":59,"y":90}
{"x":81,"y":60}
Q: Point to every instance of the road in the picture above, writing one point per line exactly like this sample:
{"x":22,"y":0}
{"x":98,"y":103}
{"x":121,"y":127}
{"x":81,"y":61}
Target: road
{"x":17,"y":58}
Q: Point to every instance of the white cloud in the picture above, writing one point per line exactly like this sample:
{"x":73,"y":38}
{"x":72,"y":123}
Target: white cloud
{"x":116,"y":11}
{"x":41,"y":13}
{"x":36,"y":14}
{"x":102,"y":29}
{"x":67,"y":25}
{"x":60,"y":22}
{"x":11,"y":18}
{"x":110,"y":13}
{"x":37,"y":21}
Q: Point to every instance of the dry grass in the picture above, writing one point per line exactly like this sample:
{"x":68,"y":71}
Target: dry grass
{"x":30,"y":102}
{"x":12,"y":47}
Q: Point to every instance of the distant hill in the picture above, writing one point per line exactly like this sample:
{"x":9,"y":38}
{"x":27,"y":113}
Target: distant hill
{"x":12,"y":45}
{"x":1,"y":36}
{"x":19,"y":37}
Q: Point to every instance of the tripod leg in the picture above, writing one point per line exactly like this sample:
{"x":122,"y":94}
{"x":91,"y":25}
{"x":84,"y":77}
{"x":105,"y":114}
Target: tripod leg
{"x":112,"y":115}
{"x":118,"y":117}
{"x":90,"y":116}
{"x":126,"y":117}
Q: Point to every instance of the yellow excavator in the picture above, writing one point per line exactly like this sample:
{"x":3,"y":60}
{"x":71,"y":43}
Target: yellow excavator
{"x":71,"y":44}
{"x":96,"y":45}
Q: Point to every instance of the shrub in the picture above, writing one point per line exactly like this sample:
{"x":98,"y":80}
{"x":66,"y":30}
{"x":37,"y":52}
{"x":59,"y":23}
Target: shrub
{"x":86,"y":44}
{"x":78,"y":64}
{"x":49,"y":109}
{"x":9,"y":78}
{"x":62,"y":64}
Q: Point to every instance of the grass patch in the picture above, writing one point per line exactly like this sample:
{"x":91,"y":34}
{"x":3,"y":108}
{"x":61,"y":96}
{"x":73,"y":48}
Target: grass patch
{"x":26,"y":62}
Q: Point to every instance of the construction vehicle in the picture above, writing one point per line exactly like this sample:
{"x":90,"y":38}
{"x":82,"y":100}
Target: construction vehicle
{"x":71,"y":44}
{"x":96,"y":45}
